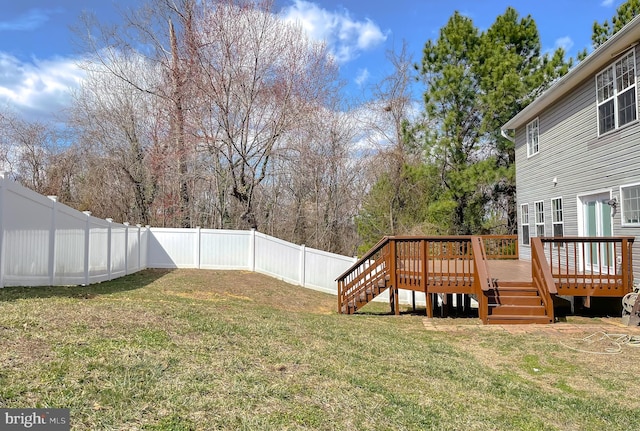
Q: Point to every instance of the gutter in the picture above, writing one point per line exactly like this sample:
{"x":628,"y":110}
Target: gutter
{"x":503,"y":132}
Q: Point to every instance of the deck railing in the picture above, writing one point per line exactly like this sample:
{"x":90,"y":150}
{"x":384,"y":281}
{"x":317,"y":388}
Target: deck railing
{"x":438,"y":264}
{"x":501,"y":246}
{"x":444,"y":262}
{"x":590,"y":266}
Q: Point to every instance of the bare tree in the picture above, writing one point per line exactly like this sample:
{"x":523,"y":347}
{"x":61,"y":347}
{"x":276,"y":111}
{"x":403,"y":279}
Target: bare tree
{"x":26,"y":148}
{"x":259,"y":77}
{"x":116,"y":126}
{"x":161,"y":35}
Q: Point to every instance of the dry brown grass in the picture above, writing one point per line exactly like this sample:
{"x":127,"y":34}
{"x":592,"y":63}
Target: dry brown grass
{"x":202,"y":350}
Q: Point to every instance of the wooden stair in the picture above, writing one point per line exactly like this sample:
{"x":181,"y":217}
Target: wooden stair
{"x":515,"y":303}
{"x":365,"y":295}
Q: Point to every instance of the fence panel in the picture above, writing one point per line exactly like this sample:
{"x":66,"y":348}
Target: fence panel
{"x":278,"y":258}
{"x":224,"y":249}
{"x":70,"y":231}
{"x":99,"y":250}
{"x":172,"y":248}
{"x":27,"y":239}
{"x":321,"y":269}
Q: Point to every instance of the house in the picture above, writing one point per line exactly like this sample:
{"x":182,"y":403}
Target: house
{"x":577,"y":149}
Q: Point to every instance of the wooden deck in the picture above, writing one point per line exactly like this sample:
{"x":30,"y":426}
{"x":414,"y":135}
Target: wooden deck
{"x":508,"y":290}
{"x":510,"y":270}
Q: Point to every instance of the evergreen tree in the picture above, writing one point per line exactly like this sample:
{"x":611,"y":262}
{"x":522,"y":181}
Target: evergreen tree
{"x":624,"y":14}
{"x":475,"y":82}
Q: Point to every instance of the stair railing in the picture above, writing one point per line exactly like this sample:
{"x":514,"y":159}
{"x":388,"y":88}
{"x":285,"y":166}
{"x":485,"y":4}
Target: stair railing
{"x":482,"y":279}
{"x":370,"y":269}
{"x":541,"y":276}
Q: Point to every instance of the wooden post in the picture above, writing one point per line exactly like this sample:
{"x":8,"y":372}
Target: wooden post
{"x":393,"y":276}
{"x":467,"y":304}
{"x":626,"y":286}
{"x":424,"y":280}
{"x":413,"y":300}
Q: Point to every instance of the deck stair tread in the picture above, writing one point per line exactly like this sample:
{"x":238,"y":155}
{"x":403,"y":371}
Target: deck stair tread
{"x":517,"y":319}
{"x":513,"y":302}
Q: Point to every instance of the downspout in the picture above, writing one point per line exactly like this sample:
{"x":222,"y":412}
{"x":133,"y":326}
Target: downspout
{"x":507,"y":137}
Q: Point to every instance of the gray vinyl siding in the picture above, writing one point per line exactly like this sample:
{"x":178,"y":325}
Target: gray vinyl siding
{"x":571,"y":151}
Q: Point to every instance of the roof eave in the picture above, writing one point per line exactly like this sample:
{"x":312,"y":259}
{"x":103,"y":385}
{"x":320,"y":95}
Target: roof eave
{"x":617,"y":44}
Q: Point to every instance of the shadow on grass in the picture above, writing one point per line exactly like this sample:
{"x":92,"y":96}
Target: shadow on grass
{"x":122,"y":284}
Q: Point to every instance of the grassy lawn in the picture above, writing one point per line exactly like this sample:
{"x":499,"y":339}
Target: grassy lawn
{"x":206,"y":350}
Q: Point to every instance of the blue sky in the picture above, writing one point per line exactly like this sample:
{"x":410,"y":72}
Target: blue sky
{"x":38,"y":55}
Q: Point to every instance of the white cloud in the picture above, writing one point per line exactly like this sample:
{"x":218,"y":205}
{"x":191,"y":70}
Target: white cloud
{"x":606,"y":3}
{"x":363,"y":77}
{"x":565,"y":43}
{"x":39,"y":89}
{"x":30,"y":20}
{"x":344,"y":36}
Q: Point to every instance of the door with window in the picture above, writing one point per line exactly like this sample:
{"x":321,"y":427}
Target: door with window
{"x":596,"y":221}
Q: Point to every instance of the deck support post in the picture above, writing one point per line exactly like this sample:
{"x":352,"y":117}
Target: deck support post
{"x":429,"y":298}
{"x":467,"y":303}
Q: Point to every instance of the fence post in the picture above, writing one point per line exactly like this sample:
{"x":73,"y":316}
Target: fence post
{"x":252,"y":251}
{"x":126,"y":247}
{"x":2,"y":218}
{"x":110,"y":221}
{"x":146,"y":255}
{"x":52,"y":241}
{"x":303,"y":257}
{"x":87,"y":235}
{"x":198,"y":244}
{"x":139,"y":267}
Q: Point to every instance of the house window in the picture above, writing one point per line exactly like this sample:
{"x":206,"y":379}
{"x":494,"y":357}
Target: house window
{"x":557,"y":218}
{"x":533,"y":133}
{"x":616,"y":92}
{"x":524,"y":222}
{"x":630,"y":205}
{"x":539,"y":218}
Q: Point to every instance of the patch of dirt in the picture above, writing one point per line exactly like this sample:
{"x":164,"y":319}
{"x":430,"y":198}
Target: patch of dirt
{"x":248,"y":286}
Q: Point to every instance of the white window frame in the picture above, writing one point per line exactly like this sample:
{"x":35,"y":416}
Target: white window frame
{"x":539,"y":217}
{"x":533,"y":137}
{"x":524,"y":222}
{"x":557,"y":215}
{"x":612,"y":83}
{"x":626,"y":202}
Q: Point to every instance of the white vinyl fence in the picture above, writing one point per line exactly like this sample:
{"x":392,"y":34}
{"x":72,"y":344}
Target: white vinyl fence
{"x":246,"y":250}
{"x":46,"y":243}
{"x":43,"y":242}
